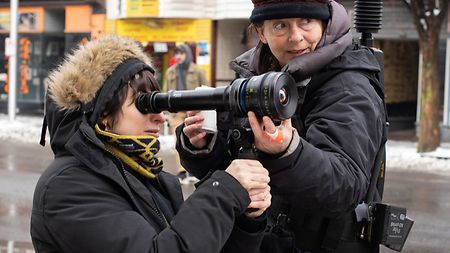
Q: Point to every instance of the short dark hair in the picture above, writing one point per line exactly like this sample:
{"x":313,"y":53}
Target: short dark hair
{"x":141,"y":83}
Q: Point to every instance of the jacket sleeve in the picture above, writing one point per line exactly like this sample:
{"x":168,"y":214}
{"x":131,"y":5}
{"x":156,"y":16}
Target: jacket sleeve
{"x":199,"y":162}
{"x":330,"y":169}
{"x":165,"y":86}
{"x":202,"y":77}
{"x":247,"y":235}
{"x":84,"y":212}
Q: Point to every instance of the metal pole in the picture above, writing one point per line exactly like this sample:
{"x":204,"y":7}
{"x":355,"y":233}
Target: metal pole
{"x":419,"y":91}
{"x":12,"y":73}
{"x":446,"y":122}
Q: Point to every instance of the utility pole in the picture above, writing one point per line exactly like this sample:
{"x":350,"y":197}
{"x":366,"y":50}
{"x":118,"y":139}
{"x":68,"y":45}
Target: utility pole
{"x":12,"y":69}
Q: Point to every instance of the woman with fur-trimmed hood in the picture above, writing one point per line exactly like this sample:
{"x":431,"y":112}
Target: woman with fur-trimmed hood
{"x":105,"y":191}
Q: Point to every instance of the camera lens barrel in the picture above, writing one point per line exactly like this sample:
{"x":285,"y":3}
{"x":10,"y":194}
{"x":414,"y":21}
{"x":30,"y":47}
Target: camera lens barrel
{"x":273,"y":94}
{"x":185,"y":100}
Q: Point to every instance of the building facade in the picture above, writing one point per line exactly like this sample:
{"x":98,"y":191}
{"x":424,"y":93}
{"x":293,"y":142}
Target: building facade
{"x":46,"y":31}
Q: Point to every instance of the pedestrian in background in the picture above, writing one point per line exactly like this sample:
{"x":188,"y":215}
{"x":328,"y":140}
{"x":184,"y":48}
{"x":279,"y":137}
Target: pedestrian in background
{"x":184,"y":75}
{"x":105,"y":191}
{"x":320,"y":161}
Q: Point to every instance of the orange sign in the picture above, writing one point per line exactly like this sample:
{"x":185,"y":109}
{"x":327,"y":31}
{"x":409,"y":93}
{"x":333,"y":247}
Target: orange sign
{"x":78,"y":18}
{"x":24,"y":55}
{"x":6,"y":87}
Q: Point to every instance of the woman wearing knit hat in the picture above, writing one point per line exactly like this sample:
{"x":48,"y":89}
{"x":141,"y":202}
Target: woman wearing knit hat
{"x":319,"y":161}
{"x":105,"y":191}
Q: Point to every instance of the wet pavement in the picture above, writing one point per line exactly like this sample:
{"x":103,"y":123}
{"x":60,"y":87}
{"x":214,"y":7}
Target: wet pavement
{"x":427,"y":199}
{"x":424,"y":194}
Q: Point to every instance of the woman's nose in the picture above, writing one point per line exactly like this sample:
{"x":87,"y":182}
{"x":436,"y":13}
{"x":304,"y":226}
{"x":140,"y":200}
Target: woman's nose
{"x":296,"y":34}
{"x":157,"y":117}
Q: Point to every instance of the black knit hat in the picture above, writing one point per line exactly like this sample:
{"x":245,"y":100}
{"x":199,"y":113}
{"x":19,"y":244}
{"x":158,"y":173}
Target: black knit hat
{"x":276,"y":9}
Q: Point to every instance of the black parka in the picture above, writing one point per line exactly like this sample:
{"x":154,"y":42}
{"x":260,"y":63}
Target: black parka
{"x":86,"y":201}
{"x":340,"y":126}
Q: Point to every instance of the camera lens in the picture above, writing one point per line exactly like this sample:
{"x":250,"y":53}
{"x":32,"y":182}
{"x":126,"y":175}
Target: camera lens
{"x":266,"y":95}
{"x":273,"y":94}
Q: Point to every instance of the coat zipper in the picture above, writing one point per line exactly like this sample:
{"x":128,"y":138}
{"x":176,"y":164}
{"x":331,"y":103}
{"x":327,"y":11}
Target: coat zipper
{"x":156,"y":210}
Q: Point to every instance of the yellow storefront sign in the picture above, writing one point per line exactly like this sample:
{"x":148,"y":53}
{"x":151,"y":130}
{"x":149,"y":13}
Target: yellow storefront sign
{"x":4,"y":21}
{"x":142,"y":8}
{"x":163,"y":30}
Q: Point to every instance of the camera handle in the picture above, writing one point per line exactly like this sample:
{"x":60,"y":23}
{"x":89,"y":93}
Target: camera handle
{"x":241,"y":140}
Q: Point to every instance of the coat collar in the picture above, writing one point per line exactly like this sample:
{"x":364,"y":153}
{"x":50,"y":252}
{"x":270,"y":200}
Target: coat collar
{"x":88,"y":149}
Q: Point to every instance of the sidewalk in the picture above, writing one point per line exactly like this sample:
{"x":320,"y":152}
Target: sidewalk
{"x":400,"y":151}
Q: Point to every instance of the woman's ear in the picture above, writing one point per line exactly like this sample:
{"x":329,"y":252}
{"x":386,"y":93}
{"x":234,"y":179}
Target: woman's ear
{"x":260,"y":31}
{"x":103,"y":122}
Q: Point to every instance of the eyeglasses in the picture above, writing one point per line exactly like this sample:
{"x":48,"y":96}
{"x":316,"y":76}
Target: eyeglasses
{"x":281,"y":27}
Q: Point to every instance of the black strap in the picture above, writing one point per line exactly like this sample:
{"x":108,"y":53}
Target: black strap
{"x":43,"y":131}
{"x":377,"y":173}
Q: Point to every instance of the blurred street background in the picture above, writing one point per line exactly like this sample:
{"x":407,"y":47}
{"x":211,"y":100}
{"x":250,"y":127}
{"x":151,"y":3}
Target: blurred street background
{"x":216,"y":32}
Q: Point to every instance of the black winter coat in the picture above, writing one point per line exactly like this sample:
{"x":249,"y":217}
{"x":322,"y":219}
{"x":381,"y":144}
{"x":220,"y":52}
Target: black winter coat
{"x":87,"y":202}
{"x":340,"y":125}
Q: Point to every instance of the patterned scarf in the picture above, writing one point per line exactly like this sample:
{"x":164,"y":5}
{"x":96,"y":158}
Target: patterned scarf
{"x":137,"y":151}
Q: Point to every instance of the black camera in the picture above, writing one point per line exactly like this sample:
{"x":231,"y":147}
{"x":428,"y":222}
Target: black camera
{"x":273,"y":94}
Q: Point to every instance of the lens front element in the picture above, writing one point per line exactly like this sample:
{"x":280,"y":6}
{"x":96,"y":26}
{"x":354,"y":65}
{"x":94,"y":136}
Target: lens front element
{"x":273,"y":94}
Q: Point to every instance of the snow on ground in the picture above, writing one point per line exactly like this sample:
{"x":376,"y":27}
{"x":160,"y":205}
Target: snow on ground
{"x":400,"y":154}
{"x":403,"y":155}
{"x":27,"y":129}
{"x":23,"y":128}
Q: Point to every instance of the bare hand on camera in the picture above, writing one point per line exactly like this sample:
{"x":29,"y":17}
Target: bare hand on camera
{"x":269,"y":138}
{"x":255,"y":180}
{"x":192,"y":129}
{"x":249,"y":173}
{"x":260,"y":199}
